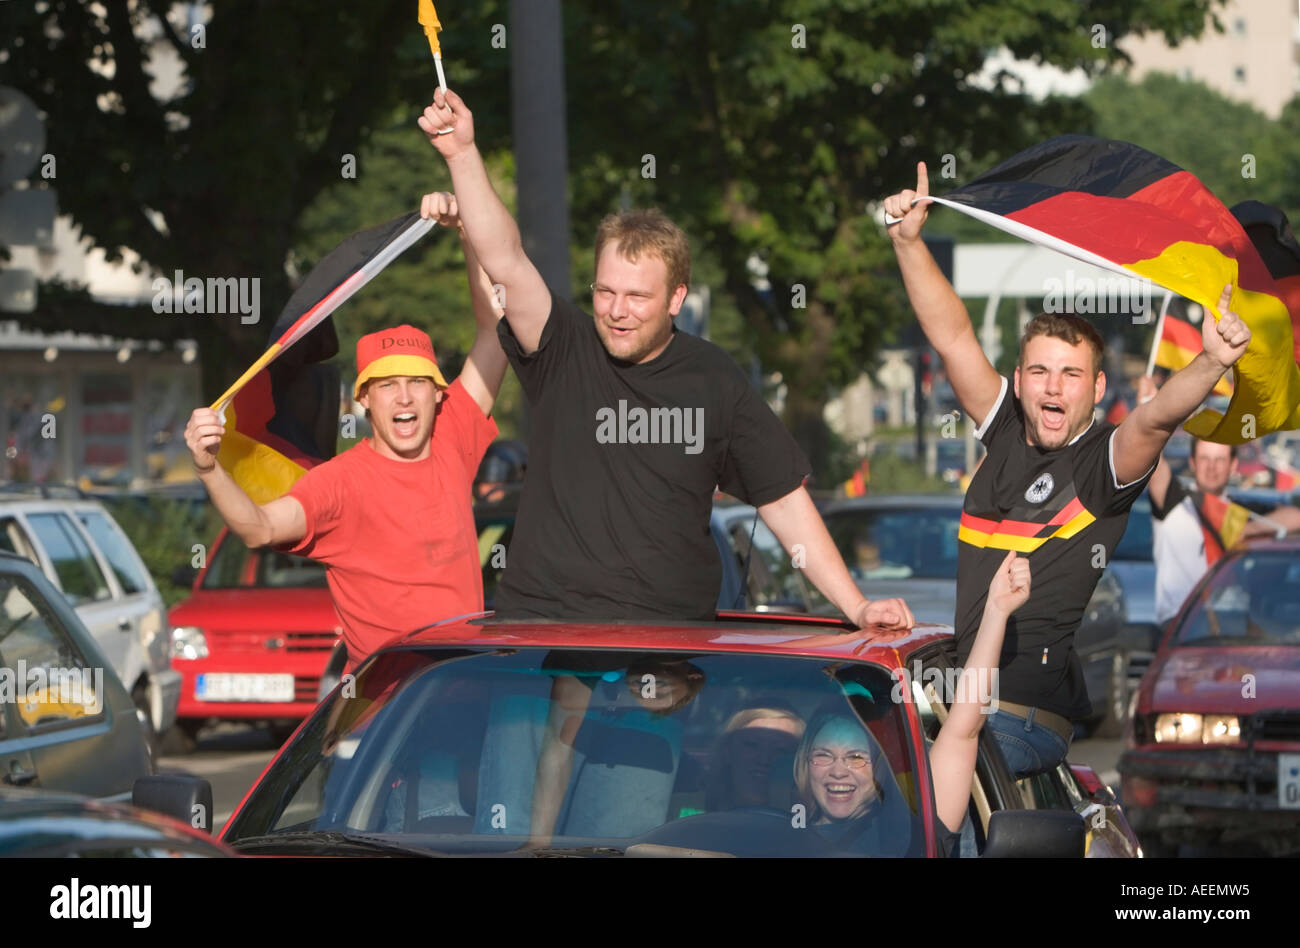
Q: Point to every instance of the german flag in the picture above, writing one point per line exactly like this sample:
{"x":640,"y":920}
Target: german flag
{"x":1178,"y":345}
{"x":1221,"y":522}
{"x":282,"y":413}
{"x":1117,"y":206}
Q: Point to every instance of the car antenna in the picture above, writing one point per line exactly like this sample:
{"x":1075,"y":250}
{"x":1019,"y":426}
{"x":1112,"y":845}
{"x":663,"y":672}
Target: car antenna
{"x":744,"y":574}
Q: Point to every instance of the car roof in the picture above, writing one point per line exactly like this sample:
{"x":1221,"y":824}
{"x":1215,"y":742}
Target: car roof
{"x":766,"y":634}
{"x":949,"y":501}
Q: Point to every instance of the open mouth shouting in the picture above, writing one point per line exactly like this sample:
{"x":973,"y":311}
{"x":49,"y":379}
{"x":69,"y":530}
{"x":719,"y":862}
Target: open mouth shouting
{"x":406,"y":424}
{"x":1053,"y":415}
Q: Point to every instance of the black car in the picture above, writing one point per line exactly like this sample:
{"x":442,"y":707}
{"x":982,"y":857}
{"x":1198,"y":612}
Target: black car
{"x":66,"y":721}
{"x":37,"y":824}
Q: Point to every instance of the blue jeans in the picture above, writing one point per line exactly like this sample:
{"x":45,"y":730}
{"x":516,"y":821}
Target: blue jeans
{"x":624,"y":766}
{"x":1028,"y":748}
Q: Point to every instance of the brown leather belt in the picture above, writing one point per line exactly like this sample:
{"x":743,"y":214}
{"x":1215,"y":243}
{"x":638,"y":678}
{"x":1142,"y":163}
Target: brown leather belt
{"x":1053,"y":722}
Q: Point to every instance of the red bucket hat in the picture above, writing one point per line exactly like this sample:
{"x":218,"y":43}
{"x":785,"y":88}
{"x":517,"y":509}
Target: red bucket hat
{"x":403,"y":350}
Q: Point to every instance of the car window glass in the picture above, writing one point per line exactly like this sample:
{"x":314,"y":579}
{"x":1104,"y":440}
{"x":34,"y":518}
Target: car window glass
{"x":897,"y":544}
{"x":14,"y":540}
{"x":79,"y":575}
{"x":773,"y":580}
{"x":117,"y":550}
{"x":276,"y":570}
{"x":226,"y":568}
{"x":451,"y":751}
{"x":52,"y":680}
{"x":1253,"y":599}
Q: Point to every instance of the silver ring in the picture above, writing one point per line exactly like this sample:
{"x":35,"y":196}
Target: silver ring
{"x":446,"y":131}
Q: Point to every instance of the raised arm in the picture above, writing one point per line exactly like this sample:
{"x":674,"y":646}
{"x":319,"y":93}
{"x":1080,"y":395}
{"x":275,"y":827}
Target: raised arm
{"x":797,"y":524}
{"x":1141,"y":436}
{"x":952,"y":758}
{"x":280,"y":521}
{"x":1158,"y":486}
{"x":485,"y":366}
{"x":489,"y":228}
{"x":939,"y":309}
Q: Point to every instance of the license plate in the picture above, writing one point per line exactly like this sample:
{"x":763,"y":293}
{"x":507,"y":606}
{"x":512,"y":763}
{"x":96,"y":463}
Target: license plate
{"x":225,"y":687}
{"x":1288,"y":781}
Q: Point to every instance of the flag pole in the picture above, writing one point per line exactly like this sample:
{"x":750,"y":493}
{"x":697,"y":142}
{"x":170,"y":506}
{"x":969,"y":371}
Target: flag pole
{"x":428,"y":18}
{"x":1160,"y":328}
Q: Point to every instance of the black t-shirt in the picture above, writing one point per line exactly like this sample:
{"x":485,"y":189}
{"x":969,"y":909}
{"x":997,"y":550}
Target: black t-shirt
{"x":623,"y":461}
{"x":1065,"y":511}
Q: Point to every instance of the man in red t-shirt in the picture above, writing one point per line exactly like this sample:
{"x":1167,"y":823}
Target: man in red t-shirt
{"x":391,"y":518}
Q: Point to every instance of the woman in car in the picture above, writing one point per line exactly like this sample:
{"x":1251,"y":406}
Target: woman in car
{"x":844,"y":778}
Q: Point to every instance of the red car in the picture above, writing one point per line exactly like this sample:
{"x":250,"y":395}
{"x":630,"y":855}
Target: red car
{"x":253,"y":638}
{"x":680,"y":738}
{"x":1214,"y":750}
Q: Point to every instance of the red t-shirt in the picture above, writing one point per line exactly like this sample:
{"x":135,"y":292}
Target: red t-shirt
{"x":397,"y":537}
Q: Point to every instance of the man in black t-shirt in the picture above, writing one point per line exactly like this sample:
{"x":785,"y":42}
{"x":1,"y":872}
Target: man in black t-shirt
{"x":1056,"y":485}
{"x":633,"y":427}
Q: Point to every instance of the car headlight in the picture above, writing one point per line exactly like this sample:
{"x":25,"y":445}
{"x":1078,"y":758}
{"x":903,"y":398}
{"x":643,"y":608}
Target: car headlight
{"x":188,"y":642}
{"x":1181,"y":728}
{"x":1221,"y":729}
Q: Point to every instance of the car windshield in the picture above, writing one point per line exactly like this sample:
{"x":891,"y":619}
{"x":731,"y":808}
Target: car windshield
{"x":897,"y":543}
{"x":464,"y":751}
{"x":1254,"y":599}
{"x":1135,"y":544}
{"x":235,"y":566}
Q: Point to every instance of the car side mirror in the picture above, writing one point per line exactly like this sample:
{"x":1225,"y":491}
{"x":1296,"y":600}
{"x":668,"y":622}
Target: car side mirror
{"x":1035,"y":834}
{"x":184,"y":576}
{"x":182,"y":797}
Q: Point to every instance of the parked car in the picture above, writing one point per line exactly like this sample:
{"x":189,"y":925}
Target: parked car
{"x":1132,"y":563}
{"x":67,"y":722}
{"x":79,"y":546}
{"x":251,"y":641}
{"x":44,"y":825}
{"x":1213,"y":756}
{"x":437,"y":750}
{"x":906,"y":545}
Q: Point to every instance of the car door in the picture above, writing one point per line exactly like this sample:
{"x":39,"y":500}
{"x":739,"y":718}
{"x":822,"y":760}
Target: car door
{"x":137,"y":600}
{"x":16,"y":766}
{"x":62,"y":729}
{"x":78,"y":575}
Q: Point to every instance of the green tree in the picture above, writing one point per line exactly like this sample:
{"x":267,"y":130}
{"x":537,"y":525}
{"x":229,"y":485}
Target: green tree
{"x":1234,"y":149}
{"x":214,"y":179}
{"x":774,"y":127}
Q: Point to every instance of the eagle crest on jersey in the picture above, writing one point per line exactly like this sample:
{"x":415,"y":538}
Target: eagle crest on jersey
{"x":1040,"y":489}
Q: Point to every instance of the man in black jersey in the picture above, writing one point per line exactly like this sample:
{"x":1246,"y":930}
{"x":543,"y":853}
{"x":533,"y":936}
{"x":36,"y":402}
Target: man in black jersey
{"x":1056,"y":485}
{"x":634,"y":426}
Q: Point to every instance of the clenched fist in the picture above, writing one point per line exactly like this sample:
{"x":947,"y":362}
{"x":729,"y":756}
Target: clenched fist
{"x":1009,"y":588}
{"x":203,"y":437}
{"x":449,"y":124}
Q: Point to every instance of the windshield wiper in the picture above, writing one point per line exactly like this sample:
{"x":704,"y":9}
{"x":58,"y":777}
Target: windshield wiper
{"x":330,"y":840}
{"x":575,"y":851}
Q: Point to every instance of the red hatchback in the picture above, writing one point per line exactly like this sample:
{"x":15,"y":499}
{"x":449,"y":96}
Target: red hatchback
{"x":253,"y":638}
{"x":1214,"y":752}
{"x":492,"y":737}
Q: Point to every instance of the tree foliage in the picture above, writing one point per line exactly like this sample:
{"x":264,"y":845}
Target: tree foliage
{"x":774,"y":129}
